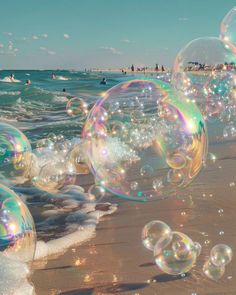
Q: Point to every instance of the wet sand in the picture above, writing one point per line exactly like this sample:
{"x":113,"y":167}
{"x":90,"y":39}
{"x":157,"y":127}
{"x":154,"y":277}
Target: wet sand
{"x":115,"y":261}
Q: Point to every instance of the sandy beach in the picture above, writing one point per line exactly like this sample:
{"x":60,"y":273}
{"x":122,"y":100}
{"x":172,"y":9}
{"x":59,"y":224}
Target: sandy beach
{"x":115,"y":261}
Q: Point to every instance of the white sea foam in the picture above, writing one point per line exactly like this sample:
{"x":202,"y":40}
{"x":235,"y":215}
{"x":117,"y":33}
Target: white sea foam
{"x":10,"y":93}
{"x":9,"y":80}
{"x":82,"y":234}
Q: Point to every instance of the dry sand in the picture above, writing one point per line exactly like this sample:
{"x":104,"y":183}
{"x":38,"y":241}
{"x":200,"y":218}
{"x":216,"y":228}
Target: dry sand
{"x":115,"y":262}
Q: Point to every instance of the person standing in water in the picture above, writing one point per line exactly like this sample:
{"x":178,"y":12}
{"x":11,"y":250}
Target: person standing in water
{"x":103,"y":82}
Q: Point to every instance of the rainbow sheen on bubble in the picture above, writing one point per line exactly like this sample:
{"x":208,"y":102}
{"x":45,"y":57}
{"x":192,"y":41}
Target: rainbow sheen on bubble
{"x":178,"y":256}
{"x":221,"y":255}
{"x":204,"y":72}
{"x":15,"y":155}
{"x":77,"y":107}
{"x":157,"y":234}
{"x":17,"y":231}
{"x":228,"y":29}
{"x":141,"y":140}
{"x":212,"y":271}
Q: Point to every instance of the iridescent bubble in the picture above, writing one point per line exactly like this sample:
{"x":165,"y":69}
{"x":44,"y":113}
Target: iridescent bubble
{"x":178,"y":257}
{"x":156,"y":234}
{"x":96,"y":193}
{"x":212,"y":271}
{"x":17,"y":231}
{"x":167,"y":140}
{"x":146,"y":171}
{"x":77,"y":160}
{"x":134,"y":185}
{"x":221,"y":255}
{"x":15,"y":155}
{"x":198,"y":248}
{"x":203,"y":73}
{"x":77,"y":107}
{"x":228,"y":29}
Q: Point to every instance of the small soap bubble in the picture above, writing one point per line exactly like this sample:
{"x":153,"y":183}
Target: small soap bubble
{"x":212,"y":271}
{"x":156,"y":234}
{"x":221,"y":255}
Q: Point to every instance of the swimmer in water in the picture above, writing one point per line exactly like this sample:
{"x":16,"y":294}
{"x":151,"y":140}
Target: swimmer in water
{"x":64,"y":90}
{"x":28,"y":82}
{"x":103,"y":82}
{"x":12,"y":77}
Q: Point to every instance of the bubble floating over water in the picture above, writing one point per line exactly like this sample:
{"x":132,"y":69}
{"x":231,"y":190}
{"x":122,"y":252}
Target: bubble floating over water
{"x":156,"y":234}
{"x":15,"y":155}
{"x":228,"y":29}
{"x":207,"y":78}
{"x":159,"y":140}
{"x":221,"y":255}
{"x":212,"y":271}
{"x":17,"y":231}
{"x":179,"y":255}
{"x":77,"y":107}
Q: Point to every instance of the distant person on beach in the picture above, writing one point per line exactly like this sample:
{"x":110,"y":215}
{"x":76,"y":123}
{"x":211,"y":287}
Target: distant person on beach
{"x":162,"y":69}
{"x":132,"y":68}
{"x":104,"y":81}
{"x":156,"y":68}
{"x":28,"y":82}
{"x":12,"y":77}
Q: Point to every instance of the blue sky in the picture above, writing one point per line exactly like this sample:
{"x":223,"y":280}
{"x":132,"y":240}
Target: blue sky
{"x":49,"y":34}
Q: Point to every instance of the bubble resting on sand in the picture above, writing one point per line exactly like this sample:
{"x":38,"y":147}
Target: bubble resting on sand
{"x":156,"y":234}
{"x":178,"y":256}
{"x":206,"y":78}
{"x":140,"y":131}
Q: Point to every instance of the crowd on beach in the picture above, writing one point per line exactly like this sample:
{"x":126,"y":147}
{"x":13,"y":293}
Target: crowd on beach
{"x":197,"y":66}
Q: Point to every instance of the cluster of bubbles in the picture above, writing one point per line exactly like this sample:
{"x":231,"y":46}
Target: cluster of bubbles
{"x":142,"y":140}
{"x":174,"y":252}
{"x":220,"y":256}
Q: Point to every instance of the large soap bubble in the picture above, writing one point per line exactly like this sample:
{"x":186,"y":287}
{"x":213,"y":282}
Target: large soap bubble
{"x":141,"y":140}
{"x":17,"y":231}
{"x":156,"y":234}
{"x":204,"y":72}
{"x":228,"y":29}
{"x":178,"y":256}
{"x":15,"y":155}
{"x":221,"y":255}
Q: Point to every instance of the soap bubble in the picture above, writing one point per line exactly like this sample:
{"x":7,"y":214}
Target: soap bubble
{"x":221,"y":255}
{"x":15,"y":155}
{"x":161,"y":149}
{"x":198,"y":248}
{"x":156,"y":234}
{"x":228,"y":29}
{"x":77,"y":107}
{"x":203,"y":73}
{"x":17,"y":232}
{"x":178,"y":256}
{"x":212,"y":271}
{"x":96,"y":193}
{"x":78,"y":160}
